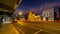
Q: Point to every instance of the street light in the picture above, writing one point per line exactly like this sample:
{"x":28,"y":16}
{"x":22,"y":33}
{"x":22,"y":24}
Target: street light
{"x":20,"y":13}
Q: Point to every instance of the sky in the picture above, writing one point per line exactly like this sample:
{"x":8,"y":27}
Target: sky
{"x":37,"y":5}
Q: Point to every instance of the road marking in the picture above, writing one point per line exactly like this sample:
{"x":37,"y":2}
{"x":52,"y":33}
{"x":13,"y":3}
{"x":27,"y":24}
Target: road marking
{"x":16,"y":30}
{"x":38,"y":31}
{"x":45,"y":31}
{"x":19,"y":30}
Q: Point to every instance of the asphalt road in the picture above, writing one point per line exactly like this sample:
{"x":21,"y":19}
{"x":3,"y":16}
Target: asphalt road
{"x":30,"y":28}
{"x":37,"y":27}
{"x":51,"y":27}
{"x":25,"y":29}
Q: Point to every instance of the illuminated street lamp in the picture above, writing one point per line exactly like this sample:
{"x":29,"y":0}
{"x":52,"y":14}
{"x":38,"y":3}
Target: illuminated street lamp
{"x":20,"y":13}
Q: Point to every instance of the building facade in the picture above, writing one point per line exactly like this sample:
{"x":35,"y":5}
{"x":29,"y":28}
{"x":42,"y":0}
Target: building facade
{"x":49,"y":14}
{"x":59,"y":13}
{"x":8,"y":7}
{"x":34,"y":17}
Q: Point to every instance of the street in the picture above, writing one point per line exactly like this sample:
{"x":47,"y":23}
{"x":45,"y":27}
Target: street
{"x":38,"y":27}
{"x":22,"y":27}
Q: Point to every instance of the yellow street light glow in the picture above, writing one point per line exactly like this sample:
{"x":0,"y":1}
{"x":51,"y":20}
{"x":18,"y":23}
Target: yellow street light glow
{"x":20,"y":13}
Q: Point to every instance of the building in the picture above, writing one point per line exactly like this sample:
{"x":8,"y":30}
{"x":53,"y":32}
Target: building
{"x":7,"y":20}
{"x":26,"y":16}
{"x":49,"y":14}
{"x":8,"y":6}
{"x":58,"y":13}
{"x":33,"y":17}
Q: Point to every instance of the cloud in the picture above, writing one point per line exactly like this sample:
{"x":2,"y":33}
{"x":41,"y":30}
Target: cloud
{"x":42,"y":7}
{"x":49,"y":5}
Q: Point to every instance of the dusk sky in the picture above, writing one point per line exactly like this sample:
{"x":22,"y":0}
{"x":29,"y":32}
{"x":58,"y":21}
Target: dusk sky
{"x":39,"y":5}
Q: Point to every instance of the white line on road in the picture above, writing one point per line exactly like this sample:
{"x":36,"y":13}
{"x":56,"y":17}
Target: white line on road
{"x":45,"y":31}
{"x":38,"y":31}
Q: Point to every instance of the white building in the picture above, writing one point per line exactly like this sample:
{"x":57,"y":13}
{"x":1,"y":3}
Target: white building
{"x":48,"y":14}
{"x":7,"y":20}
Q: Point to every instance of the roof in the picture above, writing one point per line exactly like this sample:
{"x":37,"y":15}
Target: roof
{"x":9,"y":5}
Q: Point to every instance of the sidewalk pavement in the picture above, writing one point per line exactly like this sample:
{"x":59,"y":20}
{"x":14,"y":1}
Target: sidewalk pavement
{"x":8,"y":29}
